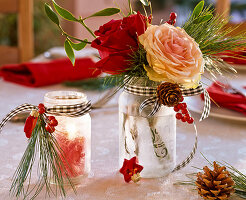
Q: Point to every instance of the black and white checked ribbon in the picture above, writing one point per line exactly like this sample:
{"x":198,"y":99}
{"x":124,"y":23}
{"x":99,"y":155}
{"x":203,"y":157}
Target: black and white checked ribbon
{"x":19,"y":109}
{"x":66,"y":110}
{"x":190,"y":156}
{"x":151,"y":92}
{"x":153,"y":100}
{"x":75,"y":110}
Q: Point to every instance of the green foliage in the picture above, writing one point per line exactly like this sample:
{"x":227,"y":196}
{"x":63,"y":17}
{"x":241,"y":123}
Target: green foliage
{"x":203,"y":19}
{"x":206,"y":29}
{"x":92,"y":84}
{"x":64,"y":13}
{"x":50,"y":164}
{"x":46,"y":34}
{"x":8,"y":30}
{"x":78,"y":46}
{"x":197,"y":10}
{"x":51,"y":14}
{"x":130,"y":8}
{"x":69,"y":45}
{"x":138,"y":60}
{"x":239,"y":179}
{"x":105,"y":12}
{"x":213,"y":37}
{"x":69,"y":51}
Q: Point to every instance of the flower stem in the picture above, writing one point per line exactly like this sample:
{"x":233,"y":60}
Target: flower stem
{"x":87,"y":28}
{"x":72,"y":37}
{"x":130,"y":7}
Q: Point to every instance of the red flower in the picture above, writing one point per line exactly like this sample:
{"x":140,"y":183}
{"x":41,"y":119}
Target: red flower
{"x":131,"y":170}
{"x":108,"y":28}
{"x":30,"y":125}
{"x":117,"y":40}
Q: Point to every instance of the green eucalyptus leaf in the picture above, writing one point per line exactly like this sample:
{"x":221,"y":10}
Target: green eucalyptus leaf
{"x":64,"y":13}
{"x":51,"y":14}
{"x":145,"y":2}
{"x":69,"y":51}
{"x":198,"y":9}
{"x":106,"y":12}
{"x":78,"y":46}
{"x":203,"y":19}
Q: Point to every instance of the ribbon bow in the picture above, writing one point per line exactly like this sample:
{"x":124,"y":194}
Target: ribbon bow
{"x":151,"y":92}
{"x":153,"y":100}
{"x":66,"y":110}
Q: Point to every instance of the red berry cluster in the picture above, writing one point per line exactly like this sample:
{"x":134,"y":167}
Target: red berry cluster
{"x":182,"y":113}
{"x":41,"y":108}
{"x":172,"y":19}
{"x":52,"y":122}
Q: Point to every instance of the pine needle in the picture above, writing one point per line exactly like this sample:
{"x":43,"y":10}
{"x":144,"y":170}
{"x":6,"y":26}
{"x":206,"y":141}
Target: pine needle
{"x":214,"y":37}
{"x":50,"y":170}
{"x":238,"y":177}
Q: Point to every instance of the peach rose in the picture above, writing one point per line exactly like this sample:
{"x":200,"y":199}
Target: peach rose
{"x":173,"y":56}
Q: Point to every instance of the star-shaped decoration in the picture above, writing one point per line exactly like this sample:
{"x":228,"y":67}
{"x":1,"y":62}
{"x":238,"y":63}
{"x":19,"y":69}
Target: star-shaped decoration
{"x":131,"y":170}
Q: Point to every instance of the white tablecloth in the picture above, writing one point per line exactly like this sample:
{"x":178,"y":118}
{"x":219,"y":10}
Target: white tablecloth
{"x":218,"y":140}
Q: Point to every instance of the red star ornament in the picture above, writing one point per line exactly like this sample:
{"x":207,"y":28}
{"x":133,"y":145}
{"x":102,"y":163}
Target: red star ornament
{"x":131,"y":170}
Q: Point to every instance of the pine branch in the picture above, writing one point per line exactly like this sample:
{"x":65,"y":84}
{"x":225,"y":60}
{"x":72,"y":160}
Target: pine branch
{"x":51,"y":168}
{"x":214,"y":37}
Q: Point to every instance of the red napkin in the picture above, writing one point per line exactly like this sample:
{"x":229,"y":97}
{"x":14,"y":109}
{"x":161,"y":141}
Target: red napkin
{"x":234,"y":57}
{"x":231,"y":101}
{"x":48,"y":73}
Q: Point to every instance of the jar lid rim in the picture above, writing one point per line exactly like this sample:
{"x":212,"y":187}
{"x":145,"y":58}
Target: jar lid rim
{"x":65,"y":97}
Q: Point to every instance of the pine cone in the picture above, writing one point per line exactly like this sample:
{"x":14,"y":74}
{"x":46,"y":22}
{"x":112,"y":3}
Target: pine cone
{"x":169,"y":94}
{"x":216,"y":184}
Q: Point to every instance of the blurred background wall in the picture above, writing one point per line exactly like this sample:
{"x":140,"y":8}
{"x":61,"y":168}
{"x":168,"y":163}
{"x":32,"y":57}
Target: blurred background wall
{"x":47,"y":34}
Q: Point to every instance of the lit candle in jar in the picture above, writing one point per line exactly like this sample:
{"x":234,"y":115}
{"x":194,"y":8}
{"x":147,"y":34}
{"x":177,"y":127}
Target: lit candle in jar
{"x":73,"y":134}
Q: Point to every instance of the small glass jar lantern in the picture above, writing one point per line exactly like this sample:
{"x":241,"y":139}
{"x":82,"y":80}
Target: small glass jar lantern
{"x":73,"y":134}
{"x":152,"y":140}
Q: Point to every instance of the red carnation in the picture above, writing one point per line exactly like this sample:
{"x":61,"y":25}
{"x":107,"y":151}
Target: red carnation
{"x":131,"y":170}
{"x":117,"y":40}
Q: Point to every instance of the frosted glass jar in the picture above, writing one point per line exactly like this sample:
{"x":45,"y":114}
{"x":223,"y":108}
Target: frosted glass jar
{"x":73,"y":134}
{"x":151,"y":139}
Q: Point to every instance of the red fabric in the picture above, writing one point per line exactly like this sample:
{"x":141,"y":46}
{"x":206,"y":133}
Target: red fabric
{"x":235,"y":102}
{"x":235,"y":57}
{"x":48,"y":73}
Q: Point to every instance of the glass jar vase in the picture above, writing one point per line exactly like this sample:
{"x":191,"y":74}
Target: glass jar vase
{"x":73,"y":134}
{"x":151,"y":139}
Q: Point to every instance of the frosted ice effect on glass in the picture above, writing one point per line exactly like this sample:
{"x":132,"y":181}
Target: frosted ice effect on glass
{"x":153,"y":165}
{"x":152,"y":140}
{"x":73,"y":133}
{"x":106,"y":183}
{"x":78,"y":127}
